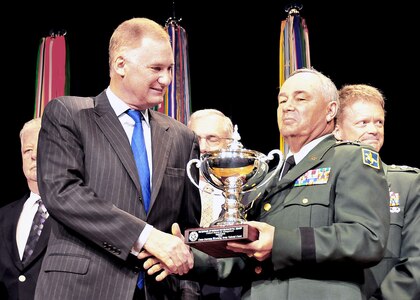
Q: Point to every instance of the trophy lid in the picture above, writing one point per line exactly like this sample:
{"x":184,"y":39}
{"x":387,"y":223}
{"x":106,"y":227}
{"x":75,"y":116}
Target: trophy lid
{"x":235,"y":144}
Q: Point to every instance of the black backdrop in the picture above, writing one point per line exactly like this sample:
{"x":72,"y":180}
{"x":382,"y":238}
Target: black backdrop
{"x":233,"y":50}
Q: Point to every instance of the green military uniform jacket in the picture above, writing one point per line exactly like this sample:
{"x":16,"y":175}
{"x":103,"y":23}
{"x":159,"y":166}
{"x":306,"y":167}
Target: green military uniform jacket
{"x":397,"y":276}
{"x":331,"y":221}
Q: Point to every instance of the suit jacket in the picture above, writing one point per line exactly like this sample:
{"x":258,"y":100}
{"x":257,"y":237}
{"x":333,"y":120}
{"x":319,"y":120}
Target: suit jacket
{"x":397,"y":276}
{"x":89,"y":182}
{"x":330,"y":222}
{"x":18,"y":279}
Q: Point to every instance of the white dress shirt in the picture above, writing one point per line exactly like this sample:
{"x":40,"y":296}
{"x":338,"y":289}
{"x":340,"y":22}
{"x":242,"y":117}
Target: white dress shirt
{"x":25,"y":222}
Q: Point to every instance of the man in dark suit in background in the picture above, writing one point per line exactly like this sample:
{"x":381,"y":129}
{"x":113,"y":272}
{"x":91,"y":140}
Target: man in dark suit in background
{"x":19,"y":272}
{"x":91,"y":186}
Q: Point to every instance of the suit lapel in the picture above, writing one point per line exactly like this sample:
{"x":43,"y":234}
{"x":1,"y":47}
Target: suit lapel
{"x":161,"y":142}
{"x":12,"y":248}
{"x":111,"y":127}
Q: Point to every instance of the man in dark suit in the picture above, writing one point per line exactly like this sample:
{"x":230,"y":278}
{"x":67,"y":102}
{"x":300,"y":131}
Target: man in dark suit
{"x":91,"y":186}
{"x":19,"y":272}
{"x":361,"y":117}
{"x":321,"y":223}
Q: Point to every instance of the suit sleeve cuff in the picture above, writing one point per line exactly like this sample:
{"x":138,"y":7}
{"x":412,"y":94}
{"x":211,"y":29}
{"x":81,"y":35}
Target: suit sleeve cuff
{"x":144,"y":235}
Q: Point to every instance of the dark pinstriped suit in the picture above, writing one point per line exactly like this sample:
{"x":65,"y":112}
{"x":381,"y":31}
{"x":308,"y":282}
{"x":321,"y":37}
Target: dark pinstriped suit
{"x":12,"y":284}
{"x":89,"y":182}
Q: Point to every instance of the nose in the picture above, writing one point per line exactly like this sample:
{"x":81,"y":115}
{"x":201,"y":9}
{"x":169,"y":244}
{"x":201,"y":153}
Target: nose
{"x":371,"y":128}
{"x":287,"y":105}
{"x":165,"y":78}
{"x":203,"y":145}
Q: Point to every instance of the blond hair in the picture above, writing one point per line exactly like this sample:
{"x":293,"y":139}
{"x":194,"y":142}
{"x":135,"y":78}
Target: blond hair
{"x":352,"y":93}
{"x":130,"y":32}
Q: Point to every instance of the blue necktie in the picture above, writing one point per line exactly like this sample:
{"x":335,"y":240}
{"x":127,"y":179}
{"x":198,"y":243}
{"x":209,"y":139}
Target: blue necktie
{"x":140,"y":156}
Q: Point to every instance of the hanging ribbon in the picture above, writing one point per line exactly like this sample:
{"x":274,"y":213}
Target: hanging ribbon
{"x":53,"y":71}
{"x":294,"y":49}
{"x":177,"y":102}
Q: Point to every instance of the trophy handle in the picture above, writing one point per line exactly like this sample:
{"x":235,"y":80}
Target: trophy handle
{"x":270,"y":156}
{"x":197,"y":164}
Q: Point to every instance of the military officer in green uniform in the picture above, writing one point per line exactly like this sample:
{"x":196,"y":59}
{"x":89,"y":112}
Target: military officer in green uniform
{"x":361,"y":117}
{"x":320,"y":224}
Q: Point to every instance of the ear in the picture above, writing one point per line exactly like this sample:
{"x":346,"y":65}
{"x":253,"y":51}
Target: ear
{"x":331,"y":111}
{"x":337,"y":132}
{"x":119,"y":65}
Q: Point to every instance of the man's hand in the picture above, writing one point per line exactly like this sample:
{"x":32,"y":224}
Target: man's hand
{"x":261,"y":248}
{"x":169,"y":252}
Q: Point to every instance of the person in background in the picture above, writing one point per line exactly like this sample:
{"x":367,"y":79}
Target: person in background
{"x":18,"y":269}
{"x":214,"y":131}
{"x":321,"y":223}
{"x":88,"y":177}
{"x":361,"y":118}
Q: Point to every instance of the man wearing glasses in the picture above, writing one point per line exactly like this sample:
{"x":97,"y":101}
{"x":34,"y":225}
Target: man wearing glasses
{"x":214,"y":131}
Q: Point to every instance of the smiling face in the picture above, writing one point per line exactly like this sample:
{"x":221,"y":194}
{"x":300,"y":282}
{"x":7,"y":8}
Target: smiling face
{"x":141,"y":63}
{"x":361,"y":116}
{"x":362,"y":121}
{"x":146,"y":72}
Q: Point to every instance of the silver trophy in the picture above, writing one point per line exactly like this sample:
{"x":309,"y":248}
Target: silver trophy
{"x":235,"y":171}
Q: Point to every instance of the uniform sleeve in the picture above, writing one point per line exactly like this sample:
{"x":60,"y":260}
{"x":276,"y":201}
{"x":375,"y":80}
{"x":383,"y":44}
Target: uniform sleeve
{"x":403,"y":280}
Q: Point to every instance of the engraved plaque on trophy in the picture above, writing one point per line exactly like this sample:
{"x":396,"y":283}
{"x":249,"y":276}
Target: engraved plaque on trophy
{"x":235,"y":171}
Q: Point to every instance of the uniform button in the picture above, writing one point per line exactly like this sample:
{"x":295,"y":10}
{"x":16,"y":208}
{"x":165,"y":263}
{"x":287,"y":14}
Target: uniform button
{"x":258,"y":270}
{"x":305,"y":201}
{"x":22,"y":278}
{"x":267,"y":206}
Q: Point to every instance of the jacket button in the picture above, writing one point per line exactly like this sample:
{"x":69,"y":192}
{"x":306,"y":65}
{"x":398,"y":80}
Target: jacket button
{"x":258,"y":270}
{"x":22,"y":278}
{"x":267,"y":206}
{"x":305,"y":201}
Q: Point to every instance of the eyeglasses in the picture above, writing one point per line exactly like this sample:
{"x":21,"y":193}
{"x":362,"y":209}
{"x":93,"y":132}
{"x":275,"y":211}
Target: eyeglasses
{"x":213,"y":140}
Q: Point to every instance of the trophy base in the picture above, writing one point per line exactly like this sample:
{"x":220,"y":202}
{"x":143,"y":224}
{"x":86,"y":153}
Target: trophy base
{"x":212,"y":240}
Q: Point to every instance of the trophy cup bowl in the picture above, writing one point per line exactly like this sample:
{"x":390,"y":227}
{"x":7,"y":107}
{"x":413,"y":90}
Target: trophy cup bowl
{"x":235,"y":171}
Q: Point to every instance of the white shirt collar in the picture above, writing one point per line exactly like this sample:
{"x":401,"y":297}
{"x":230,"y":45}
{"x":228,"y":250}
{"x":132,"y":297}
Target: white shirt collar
{"x":120,"y":107}
{"x":306,"y":149}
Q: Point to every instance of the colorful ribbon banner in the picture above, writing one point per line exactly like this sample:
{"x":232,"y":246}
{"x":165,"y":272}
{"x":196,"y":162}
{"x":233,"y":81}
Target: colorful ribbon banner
{"x":53,"y":71}
{"x":294,"y":49}
{"x":177,"y":102}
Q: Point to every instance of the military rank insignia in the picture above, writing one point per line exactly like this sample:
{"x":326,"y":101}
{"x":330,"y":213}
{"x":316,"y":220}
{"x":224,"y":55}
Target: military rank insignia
{"x":394,"y":202}
{"x":370,"y":158}
{"x":312,"y":177}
